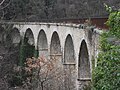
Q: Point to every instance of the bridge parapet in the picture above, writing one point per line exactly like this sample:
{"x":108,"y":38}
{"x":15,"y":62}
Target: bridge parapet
{"x":81,"y":26}
{"x":42,"y":23}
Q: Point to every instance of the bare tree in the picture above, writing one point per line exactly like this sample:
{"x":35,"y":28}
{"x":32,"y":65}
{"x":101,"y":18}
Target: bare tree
{"x":4,"y":4}
{"x":43,"y":74}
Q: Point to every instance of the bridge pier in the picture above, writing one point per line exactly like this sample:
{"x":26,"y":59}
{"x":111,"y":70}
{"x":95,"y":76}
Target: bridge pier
{"x":84,"y":83}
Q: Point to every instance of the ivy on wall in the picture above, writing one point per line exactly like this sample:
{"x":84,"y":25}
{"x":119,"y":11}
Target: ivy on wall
{"x":27,"y":51}
{"x":106,"y":76}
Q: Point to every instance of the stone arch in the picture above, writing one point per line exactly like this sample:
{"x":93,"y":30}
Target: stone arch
{"x":42,"y":44}
{"x":15,"y":36}
{"x":29,"y":36}
{"x":83,"y":63}
{"x":55,"y":47}
{"x":27,"y":46}
{"x":69,"y":56}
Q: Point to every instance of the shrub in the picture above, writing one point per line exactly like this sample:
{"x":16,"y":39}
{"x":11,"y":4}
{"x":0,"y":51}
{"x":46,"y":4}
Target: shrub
{"x":106,"y":76}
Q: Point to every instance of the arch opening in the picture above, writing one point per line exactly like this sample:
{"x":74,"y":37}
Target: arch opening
{"x":29,"y":38}
{"x":83,"y":63}
{"x":55,"y":47}
{"x":15,"y":36}
{"x":69,"y":51}
{"x":27,"y":48}
{"x":42,"y":44}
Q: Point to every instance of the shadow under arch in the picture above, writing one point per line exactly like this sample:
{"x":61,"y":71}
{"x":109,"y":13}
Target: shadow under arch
{"x":27,"y":48}
{"x":15,"y":36}
{"x":12,"y":37}
{"x":69,"y":57}
{"x":42,"y":44}
{"x":55,"y":47}
{"x":83,"y":63}
{"x":29,"y":37}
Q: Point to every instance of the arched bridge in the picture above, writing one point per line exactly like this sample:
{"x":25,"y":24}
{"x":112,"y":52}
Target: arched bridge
{"x":74,"y":46}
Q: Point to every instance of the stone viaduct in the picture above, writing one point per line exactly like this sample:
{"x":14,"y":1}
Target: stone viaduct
{"x":74,"y":45}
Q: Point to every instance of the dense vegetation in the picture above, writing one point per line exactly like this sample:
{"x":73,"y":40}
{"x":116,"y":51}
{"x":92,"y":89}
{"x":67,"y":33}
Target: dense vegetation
{"x":106,"y":75}
{"x":35,"y":10}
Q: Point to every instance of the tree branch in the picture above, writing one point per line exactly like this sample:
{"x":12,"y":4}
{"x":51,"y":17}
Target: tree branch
{"x":2,"y":2}
{"x":6,"y":5}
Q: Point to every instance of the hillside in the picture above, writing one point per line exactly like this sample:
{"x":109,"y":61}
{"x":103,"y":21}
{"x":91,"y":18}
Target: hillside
{"x":35,"y":10}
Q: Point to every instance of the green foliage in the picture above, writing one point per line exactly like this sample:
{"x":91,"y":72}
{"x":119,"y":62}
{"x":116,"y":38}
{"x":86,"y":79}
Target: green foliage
{"x":36,"y":53}
{"x":107,"y":73}
{"x":114,"y":23}
{"x":106,"y":76}
{"x":87,"y":87}
{"x":93,"y":62}
{"x":26,"y":51}
{"x":105,"y":45}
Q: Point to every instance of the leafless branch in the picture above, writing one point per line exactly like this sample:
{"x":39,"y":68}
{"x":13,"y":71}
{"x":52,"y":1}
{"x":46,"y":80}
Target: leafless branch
{"x":6,"y":5}
{"x":2,"y":2}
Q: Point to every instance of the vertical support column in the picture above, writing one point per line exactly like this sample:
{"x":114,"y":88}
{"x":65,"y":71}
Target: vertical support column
{"x":69,"y":64}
